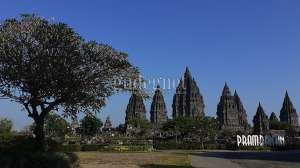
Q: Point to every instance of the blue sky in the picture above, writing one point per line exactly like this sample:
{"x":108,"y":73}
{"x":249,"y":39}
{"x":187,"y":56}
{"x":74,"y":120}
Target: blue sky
{"x":251,"y":44}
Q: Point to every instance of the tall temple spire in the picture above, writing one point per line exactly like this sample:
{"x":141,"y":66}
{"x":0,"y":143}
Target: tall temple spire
{"x":187,"y":72}
{"x":226,"y":90}
{"x":135,"y":108}
{"x":158,"y":112}
{"x":260,"y":121}
{"x":187,"y":101}
{"x":288,"y":113}
{"x":236,"y":94}
{"x":243,"y":121}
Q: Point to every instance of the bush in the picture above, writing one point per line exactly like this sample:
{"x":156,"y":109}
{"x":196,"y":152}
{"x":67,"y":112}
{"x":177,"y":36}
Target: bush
{"x":19,"y":144}
{"x":211,"y":146}
{"x":107,"y":148}
{"x":92,"y":148}
{"x":129,"y":148}
{"x":38,"y":160}
{"x":5,"y":138}
{"x":293,"y":146}
{"x":144,"y":148}
{"x":165,"y":145}
{"x":186,"y":145}
{"x":70,"y":148}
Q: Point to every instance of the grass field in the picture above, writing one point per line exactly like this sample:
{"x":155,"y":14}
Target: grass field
{"x":165,"y":159}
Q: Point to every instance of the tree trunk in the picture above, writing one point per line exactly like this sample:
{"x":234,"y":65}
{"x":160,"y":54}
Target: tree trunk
{"x":39,"y":133}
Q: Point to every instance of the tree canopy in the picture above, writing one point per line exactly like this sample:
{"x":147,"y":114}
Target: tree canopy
{"x":56,"y":127}
{"x":90,"y":125}
{"x":182,"y":125}
{"x":5,"y":126}
{"x":47,"y":65}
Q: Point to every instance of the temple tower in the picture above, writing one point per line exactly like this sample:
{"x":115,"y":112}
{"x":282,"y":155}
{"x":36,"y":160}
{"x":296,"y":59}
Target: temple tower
{"x":243,"y":121}
{"x":135,"y":108}
{"x":260,"y":121}
{"x":188,"y":101}
{"x":158,"y":112}
{"x":107,"y":125}
{"x":288,"y":113}
{"x":231,"y":113}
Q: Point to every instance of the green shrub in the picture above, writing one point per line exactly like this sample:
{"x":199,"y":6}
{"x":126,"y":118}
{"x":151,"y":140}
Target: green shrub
{"x":128,"y":148}
{"x":293,"y":146}
{"x":19,"y":144}
{"x":92,"y":148}
{"x":5,"y":139}
{"x":70,"y":148}
{"x":165,"y":145}
{"x":169,"y":145}
{"x":141,"y":148}
{"x":38,"y":160}
{"x":211,"y":146}
{"x":107,"y":148}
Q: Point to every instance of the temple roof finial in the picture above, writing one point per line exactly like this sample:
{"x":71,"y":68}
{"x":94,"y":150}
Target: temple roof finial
{"x":235,"y":93}
{"x":187,"y":72}
{"x":226,"y":90}
{"x":286,"y":93}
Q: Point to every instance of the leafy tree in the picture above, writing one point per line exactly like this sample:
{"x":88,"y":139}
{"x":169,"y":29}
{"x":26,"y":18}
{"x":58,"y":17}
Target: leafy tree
{"x":90,"y":125}
{"x":279,"y":125}
{"x":46,"y":65}
{"x":184,"y":125}
{"x":181,"y":126}
{"x":273,"y":117}
{"x":5,"y":126}
{"x":207,"y":129}
{"x":276,"y":124}
{"x":227,"y":136}
{"x":5,"y":130}
{"x":56,"y":127}
{"x":27,"y":130}
{"x":142,"y":125}
{"x":121,"y":128}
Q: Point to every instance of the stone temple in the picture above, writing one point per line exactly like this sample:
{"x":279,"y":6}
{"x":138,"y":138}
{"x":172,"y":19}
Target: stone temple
{"x":158,"y":112}
{"x":188,"y":101}
{"x":273,"y":117}
{"x":135,"y":108}
{"x":231,"y":113}
{"x":107,"y":125}
{"x":288,"y":113}
{"x":260,"y":121}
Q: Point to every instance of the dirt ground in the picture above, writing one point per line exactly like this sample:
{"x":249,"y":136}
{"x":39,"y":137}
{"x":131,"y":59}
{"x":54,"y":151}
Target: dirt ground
{"x":189,"y":159}
{"x":161,"y":159}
